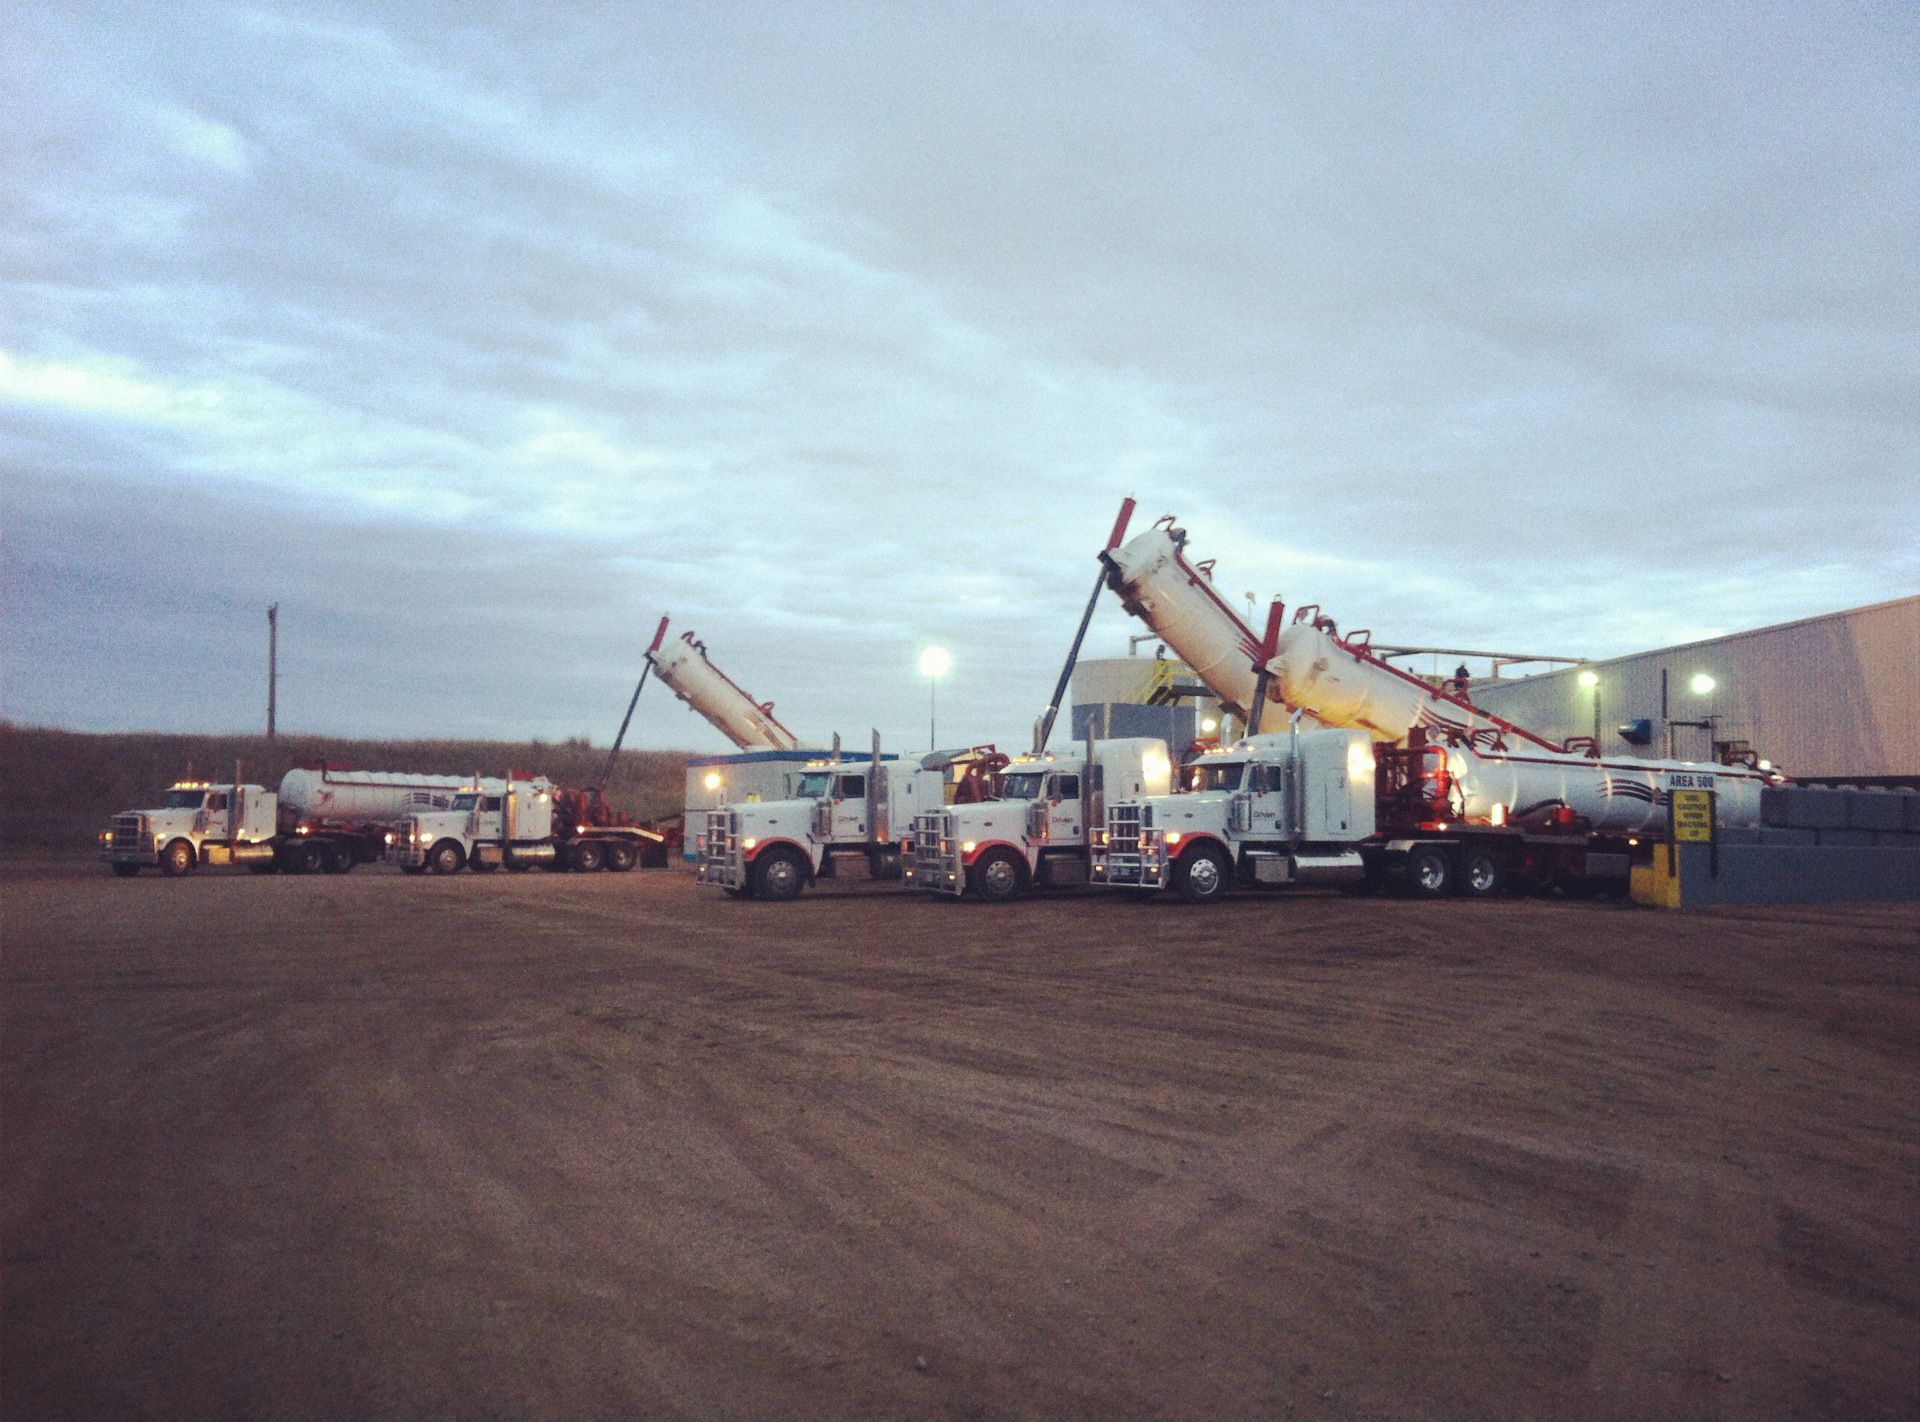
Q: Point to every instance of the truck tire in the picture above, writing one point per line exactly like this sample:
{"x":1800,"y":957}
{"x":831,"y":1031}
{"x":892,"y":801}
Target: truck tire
{"x":446,"y":857}
{"x":515,"y":864}
{"x":586,"y":855}
{"x":126,"y":871}
{"x":337,"y":858}
{"x":777,"y":874}
{"x":1481,"y":875}
{"x":997,"y":876}
{"x":303,"y":856}
{"x":621,"y":856}
{"x":178,"y":858}
{"x":1202,"y":875}
{"x":1429,"y":872}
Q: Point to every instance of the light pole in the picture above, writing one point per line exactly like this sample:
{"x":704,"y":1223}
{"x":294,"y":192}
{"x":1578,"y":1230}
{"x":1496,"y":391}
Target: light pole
{"x":1591,"y":681}
{"x":1700,"y":684}
{"x":934,"y":664}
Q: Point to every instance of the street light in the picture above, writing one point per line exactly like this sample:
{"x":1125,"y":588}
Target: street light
{"x":935,"y":663}
{"x":1590,"y":679}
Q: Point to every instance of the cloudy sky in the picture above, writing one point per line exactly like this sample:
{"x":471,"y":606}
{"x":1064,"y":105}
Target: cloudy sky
{"x":478,"y":336}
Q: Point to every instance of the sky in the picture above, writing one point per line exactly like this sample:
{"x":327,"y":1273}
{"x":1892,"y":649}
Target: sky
{"x":479,"y":336}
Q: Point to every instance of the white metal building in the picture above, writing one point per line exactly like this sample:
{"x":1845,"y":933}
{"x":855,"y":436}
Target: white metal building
{"x":1837,"y":695}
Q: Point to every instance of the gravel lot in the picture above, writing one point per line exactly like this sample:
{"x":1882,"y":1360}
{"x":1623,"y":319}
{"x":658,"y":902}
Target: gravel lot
{"x":615,"y":1146}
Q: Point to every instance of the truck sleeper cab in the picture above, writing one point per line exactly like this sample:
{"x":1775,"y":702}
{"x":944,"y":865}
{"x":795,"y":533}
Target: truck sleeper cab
{"x":197,"y":823}
{"x":1035,"y":833}
{"x":1275,"y":809}
{"x":839,"y":810}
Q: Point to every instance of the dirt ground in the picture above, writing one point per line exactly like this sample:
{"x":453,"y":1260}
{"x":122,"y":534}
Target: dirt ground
{"x":615,"y":1146}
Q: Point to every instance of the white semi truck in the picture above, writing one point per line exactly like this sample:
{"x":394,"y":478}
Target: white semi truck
{"x":840,"y":811}
{"x":323,"y":818}
{"x":518,"y":822}
{"x":1035,"y":832}
{"x":1455,"y":799}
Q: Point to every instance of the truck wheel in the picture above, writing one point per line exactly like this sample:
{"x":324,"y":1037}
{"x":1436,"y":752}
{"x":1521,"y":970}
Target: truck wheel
{"x":178,"y":859}
{"x":997,"y":876}
{"x":446,"y":857}
{"x":621,"y":857}
{"x":304,"y":857}
{"x":777,"y":874}
{"x":515,"y":864}
{"x":126,"y":871}
{"x":587,"y":856}
{"x":1202,"y":875}
{"x":1429,"y":872}
{"x":1481,"y":875}
{"x":337,"y":859}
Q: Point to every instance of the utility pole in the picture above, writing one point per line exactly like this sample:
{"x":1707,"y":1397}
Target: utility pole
{"x":273,"y":666}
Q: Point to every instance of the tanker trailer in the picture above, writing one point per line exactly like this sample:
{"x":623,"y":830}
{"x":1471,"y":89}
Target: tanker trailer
{"x":333,"y":819}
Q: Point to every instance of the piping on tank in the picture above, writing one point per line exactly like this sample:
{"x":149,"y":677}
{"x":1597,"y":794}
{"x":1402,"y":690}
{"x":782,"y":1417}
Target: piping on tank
{"x":749,"y":724}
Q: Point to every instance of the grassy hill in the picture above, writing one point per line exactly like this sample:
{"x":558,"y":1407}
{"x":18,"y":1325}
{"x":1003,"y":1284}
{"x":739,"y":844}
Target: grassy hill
{"x":59,"y":788}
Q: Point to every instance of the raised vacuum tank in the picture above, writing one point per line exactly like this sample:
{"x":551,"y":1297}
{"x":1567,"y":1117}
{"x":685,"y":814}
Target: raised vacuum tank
{"x":749,"y":724}
{"x":1156,"y":583}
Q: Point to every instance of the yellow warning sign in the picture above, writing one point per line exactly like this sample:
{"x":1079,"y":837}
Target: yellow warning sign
{"x":1693,"y":816}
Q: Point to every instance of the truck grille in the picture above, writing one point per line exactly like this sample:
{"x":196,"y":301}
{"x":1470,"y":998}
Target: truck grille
{"x":936,"y":854}
{"x":130,"y":832}
{"x":1132,"y":853}
{"x":720,"y":860}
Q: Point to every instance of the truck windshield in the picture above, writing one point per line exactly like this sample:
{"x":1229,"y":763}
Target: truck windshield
{"x":1024,"y":786}
{"x":184,"y":799}
{"x":814,"y":784}
{"x":1216,"y":777}
{"x":465,"y":802}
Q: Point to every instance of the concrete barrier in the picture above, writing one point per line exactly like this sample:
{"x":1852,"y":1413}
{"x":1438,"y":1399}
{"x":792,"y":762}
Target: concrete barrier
{"x":1698,"y":875}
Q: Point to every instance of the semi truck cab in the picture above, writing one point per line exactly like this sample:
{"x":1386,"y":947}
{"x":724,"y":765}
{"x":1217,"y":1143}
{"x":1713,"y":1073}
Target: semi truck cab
{"x":196,"y":823}
{"x":1035,"y":831}
{"x":1273,"y":809}
{"x":839,"y":809}
{"x":491,"y":823}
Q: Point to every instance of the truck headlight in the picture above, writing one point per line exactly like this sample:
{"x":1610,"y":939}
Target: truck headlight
{"x":749,"y":842}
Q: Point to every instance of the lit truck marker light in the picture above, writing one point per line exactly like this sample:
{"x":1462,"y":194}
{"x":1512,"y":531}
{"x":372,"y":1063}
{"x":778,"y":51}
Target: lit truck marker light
{"x":1173,"y":837}
{"x":966,"y":846}
{"x":749,"y":842}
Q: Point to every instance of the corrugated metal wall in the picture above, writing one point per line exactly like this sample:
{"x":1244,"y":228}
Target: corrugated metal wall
{"x":1834,"y":695}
